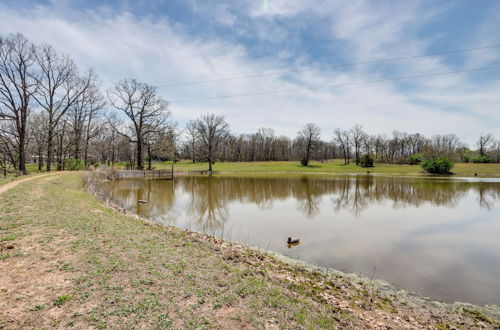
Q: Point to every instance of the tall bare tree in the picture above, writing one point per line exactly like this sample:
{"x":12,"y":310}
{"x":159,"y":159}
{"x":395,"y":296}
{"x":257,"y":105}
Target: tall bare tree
{"x":343,"y":138}
{"x":38,"y":133}
{"x":59,"y":88}
{"x":484,"y":142}
{"x":212,"y":130}
{"x":357,"y":137}
{"x":192,"y":133}
{"x":145,"y":110}
{"x":83,"y":113}
{"x":17,"y":58}
{"x":308,"y":136}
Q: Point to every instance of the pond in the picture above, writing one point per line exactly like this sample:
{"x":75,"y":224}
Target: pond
{"x":439,"y":237}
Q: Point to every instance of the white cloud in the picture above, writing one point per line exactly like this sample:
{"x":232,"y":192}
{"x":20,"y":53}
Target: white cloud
{"x":119,"y":45}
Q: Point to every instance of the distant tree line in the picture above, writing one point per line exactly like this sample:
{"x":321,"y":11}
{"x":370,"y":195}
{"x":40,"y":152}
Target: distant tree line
{"x":350,"y":145}
{"x":56,"y":115}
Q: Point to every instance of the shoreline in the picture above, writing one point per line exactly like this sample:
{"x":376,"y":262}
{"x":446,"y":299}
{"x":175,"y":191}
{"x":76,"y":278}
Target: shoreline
{"x":354,"y":174}
{"x":356,"y":279}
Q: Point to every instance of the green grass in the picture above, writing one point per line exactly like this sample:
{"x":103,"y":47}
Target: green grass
{"x":77,"y":263}
{"x":335,"y":166}
{"x":115,"y":271}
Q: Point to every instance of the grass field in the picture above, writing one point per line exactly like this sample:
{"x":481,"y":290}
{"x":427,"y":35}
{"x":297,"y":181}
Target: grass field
{"x":331,"y":167}
{"x":336,"y":166}
{"x":68,"y":260}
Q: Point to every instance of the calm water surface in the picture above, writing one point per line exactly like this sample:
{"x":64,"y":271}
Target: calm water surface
{"x":438,"y":237}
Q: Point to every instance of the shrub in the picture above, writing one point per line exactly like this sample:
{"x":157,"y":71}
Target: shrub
{"x":366,"y":161}
{"x":414,"y":159}
{"x":481,"y":159}
{"x":304,"y":162}
{"x":73,"y":164}
{"x":438,"y":165}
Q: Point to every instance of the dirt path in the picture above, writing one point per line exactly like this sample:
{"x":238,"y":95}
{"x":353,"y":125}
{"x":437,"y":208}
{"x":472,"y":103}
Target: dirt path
{"x":7,"y":186}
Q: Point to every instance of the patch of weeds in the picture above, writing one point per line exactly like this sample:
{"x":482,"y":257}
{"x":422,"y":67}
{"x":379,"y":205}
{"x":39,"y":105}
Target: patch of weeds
{"x":301,"y":315}
{"x":163,"y":321}
{"x":38,"y":307}
{"x":176,"y":268}
{"x":250,"y":286}
{"x":225,"y":300}
{"x":10,"y":237}
{"x":148,"y":304}
{"x":386,"y":304}
{"x":77,"y":314}
{"x":66,"y":266}
{"x":147,"y":281}
{"x":9,"y":226}
{"x":477,"y":315}
{"x":61,"y":300}
{"x":275,"y":299}
{"x":5,"y":256}
{"x":194,"y":324}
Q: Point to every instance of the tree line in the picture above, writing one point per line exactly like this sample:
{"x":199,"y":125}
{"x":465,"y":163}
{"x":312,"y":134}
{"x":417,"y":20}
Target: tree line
{"x":349,"y":145}
{"x":57,"y":115}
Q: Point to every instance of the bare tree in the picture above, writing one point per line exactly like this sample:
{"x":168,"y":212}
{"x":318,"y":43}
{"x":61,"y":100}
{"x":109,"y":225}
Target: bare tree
{"x":343,"y":138}
{"x":484,"y":142}
{"x":17,"y":58}
{"x":38,"y":133}
{"x":357,"y":137}
{"x":308,"y":136}
{"x":59,"y":88}
{"x":82,"y":116}
{"x":193,"y":138}
{"x":212,"y":130}
{"x":146,"y":111}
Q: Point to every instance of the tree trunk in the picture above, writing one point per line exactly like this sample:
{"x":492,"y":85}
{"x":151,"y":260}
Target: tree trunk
{"x":149,"y":158}
{"x":140,"y":165}
{"x":22,"y":157}
{"x":210,"y":159}
{"x":4,"y":166}
{"x":86,"y":154}
{"x":40,"y":160}
{"x":49,"y":150}
{"x":77,"y":149}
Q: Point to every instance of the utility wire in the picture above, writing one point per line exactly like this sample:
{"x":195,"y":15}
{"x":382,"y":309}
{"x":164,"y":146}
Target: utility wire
{"x":338,"y":85}
{"x":332,"y":66}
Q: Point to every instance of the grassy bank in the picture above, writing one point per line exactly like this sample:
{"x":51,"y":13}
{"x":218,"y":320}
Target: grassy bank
{"x":336,"y":166}
{"x":67,"y":260}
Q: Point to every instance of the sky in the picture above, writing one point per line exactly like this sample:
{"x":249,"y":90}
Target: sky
{"x":295,"y":52}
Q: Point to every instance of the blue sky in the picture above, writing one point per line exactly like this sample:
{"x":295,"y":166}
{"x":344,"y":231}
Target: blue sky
{"x":173,"y":41}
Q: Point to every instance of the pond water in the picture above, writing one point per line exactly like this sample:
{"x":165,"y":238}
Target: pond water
{"x":439,"y":237}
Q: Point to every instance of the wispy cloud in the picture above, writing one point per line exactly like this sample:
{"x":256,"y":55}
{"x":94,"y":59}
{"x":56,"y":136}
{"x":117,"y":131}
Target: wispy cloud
{"x":160,"y":50}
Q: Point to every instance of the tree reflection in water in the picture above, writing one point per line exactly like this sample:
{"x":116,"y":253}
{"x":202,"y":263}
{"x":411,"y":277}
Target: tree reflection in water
{"x":208,"y":197}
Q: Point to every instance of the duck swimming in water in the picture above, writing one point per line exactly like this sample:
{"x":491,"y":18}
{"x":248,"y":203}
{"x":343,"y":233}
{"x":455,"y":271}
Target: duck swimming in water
{"x":292,"y":240}
{"x":141,"y":201}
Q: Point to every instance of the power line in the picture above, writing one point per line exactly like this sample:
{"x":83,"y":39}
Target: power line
{"x":338,"y":85}
{"x":393,"y":59}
